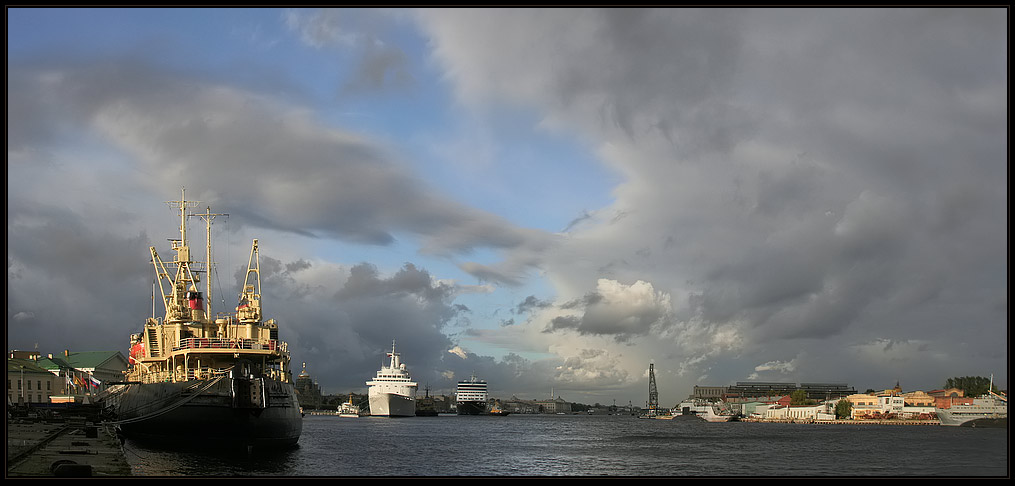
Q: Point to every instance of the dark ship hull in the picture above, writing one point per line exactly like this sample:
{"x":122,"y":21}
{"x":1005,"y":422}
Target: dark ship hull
{"x":258,"y":412}
{"x":471,"y":408}
{"x":987,"y":422}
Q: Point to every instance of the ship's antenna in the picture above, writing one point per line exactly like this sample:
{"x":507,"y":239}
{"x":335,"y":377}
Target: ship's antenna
{"x":183,"y":204}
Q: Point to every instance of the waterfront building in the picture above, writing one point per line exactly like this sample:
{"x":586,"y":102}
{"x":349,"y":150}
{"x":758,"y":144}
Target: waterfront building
{"x":918,"y":399}
{"x":87,"y":371}
{"x":947,"y":393}
{"x":948,"y":402}
{"x":517,"y":405}
{"x":863,"y":405}
{"x":748,"y":390}
{"x":556,"y":405}
{"x":709,"y":393}
{"x":27,"y":382}
{"x":800,"y":413}
{"x":308,"y":391}
{"x":61,"y":378}
{"x":867,"y":406}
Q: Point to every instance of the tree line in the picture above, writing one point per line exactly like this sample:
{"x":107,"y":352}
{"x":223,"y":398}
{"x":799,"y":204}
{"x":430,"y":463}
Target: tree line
{"x":971,"y":386}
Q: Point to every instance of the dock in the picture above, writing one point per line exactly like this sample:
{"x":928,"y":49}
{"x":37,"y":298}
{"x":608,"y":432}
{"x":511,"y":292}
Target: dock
{"x":64,"y":449}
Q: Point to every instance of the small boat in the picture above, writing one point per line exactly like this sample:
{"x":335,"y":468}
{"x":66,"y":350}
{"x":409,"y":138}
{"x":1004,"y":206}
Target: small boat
{"x":348,"y":410}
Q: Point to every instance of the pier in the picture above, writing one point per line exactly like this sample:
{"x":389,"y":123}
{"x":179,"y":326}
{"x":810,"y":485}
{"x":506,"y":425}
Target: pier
{"x":68,"y":449}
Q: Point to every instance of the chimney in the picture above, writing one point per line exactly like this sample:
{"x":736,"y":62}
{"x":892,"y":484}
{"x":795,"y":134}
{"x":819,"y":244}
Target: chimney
{"x":66,"y":353}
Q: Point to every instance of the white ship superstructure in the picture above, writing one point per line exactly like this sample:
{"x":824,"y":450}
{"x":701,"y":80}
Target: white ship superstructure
{"x":392,"y":393}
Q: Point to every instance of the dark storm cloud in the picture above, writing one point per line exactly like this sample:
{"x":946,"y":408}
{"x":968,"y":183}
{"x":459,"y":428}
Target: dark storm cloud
{"x":138,"y":132}
{"x":792,"y":176}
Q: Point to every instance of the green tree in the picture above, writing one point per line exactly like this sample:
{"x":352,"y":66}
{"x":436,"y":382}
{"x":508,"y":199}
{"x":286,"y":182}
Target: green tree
{"x":843,"y":409}
{"x":799,"y":397}
{"x":971,"y":386}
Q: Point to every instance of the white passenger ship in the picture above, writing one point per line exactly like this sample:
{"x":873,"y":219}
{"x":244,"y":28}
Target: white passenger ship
{"x":392,"y":393}
{"x":471,"y":397}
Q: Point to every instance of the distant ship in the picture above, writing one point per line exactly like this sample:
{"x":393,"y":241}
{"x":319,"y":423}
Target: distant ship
{"x":348,"y":410}
{"x":990,"y":410}
{"x":196,"y":378}
{"x":392,"y":393}
{"x":471,"y":397}
{"x":705,"y":410}
{"x":426,"y":407}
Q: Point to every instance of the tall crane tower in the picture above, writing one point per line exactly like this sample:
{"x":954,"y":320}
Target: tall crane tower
{"x":653,"y":394}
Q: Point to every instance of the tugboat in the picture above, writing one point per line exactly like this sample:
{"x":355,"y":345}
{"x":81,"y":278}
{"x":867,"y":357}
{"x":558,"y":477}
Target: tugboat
{"x":201,"y":380}
{"x":425,"y":407}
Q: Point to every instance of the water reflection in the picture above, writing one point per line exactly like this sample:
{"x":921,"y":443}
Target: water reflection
{"x":148,"y":459}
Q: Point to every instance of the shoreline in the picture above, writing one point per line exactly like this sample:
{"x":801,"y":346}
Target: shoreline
{"x":843,"y":422}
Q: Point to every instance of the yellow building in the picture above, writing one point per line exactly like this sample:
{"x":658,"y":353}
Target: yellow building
{"x":918,"y":399}
{"x":864,"y":405}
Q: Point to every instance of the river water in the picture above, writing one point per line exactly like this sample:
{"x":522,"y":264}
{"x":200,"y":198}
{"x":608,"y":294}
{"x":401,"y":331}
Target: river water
{"x":599,"y":445}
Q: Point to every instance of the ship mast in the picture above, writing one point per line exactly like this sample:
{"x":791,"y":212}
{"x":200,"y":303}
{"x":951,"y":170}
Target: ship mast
{"x":183,"y":281}
{"x":208,"y":216}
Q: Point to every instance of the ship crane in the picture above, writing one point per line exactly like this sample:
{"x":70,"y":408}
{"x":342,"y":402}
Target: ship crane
{"x":653,"y":393}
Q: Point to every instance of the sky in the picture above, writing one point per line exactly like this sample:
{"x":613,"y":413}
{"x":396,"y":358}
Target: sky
{"x":550,"y":199}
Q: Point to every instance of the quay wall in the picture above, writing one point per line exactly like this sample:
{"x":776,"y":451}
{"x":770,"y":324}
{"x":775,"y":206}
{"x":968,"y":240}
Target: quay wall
{"x":844,"y":422}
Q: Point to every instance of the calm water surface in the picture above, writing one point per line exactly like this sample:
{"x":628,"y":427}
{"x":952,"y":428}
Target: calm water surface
{"x":579,"y":445}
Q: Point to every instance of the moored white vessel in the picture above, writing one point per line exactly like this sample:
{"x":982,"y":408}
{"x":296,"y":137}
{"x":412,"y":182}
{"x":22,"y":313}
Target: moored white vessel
{"x":990,"y":410}
{"x":348,"y":409}
{"x":705,"y":410}
{"x":392,"y":393}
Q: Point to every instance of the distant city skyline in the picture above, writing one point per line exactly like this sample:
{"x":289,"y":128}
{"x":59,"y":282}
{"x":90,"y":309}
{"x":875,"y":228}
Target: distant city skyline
{"x":551,"y":199}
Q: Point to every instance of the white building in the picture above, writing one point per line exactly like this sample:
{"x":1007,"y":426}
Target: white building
{"x":809,"y":412}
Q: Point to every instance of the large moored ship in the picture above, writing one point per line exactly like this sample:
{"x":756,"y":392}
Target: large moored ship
{"x":471,"y":396}
{"x":392,"y":393}
{"x":990,"y":410}
{"x":199,"y":379}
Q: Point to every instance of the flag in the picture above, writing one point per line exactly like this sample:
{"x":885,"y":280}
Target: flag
{"x":95,"y":382}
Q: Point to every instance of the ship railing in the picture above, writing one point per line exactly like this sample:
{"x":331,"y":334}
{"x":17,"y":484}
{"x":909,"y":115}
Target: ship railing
{"x":206,"y":373}
{"x":228,"y":343}
{"x":203,"y":373}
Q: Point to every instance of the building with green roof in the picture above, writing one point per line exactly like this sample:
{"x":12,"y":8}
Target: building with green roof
{"x":69,"y":374}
